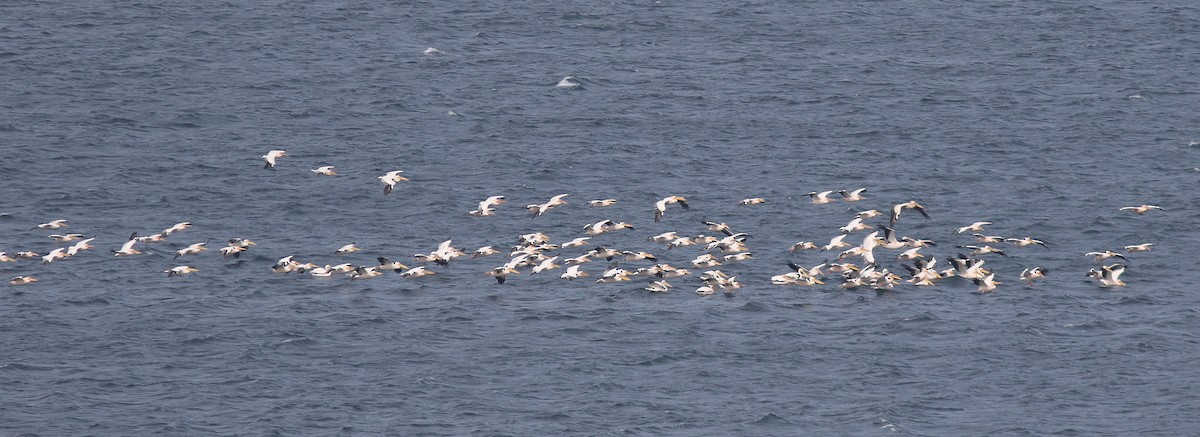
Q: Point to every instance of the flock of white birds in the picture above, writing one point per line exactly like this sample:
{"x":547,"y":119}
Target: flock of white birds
{"x":854,"y":266}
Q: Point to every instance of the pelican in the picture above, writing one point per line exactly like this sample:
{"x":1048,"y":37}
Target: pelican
{"x":191,"y":249}
{"x":53,"y":224}
{"x":80,"y":245}
{"x":1022,"y":242}
{"x":665,"y":237}
{"x":1140,"y":209}
{"x":152,"y":238}
{"x":718,"y":227}
{"x":988,"y":238}
{"x":501,"y":273}
{"x":59,"y":253}
{"x":855,"y":225}
{"x":66,"y":238}
{"x":751,"y":201}
{"x":484,"y":251}
{"x":417,"y":272}
{"x":910,"y":254}
{"x":180,"y":270}
{"x":1028,"y":275}
{"x":349,"y":248}
{"x":915,"y":242}
{"x":1109,"y":276}
{"x":983,"y":250}
{"x":867,"y":214}
{"x":573,"y":273}
{"x":127,"y":248}
{"x":324,"y":171}
{"x":387,"y":264}
{"x":889,"y":239}
{"x":176,"y":228}
{"x":22,"y":280}
{"x":659,"y":286}
{"x":602,"y":202}
{"x":241,"y":242}
{"x":6,"y":258}
{"x":635,"y":256}
{"x":27,"y":254}
{"x":987,"y":284}
{"x":853,"y":196}
{"x":976,"y":227}
{"x":912,"y":204}
{"x":603,"y":252}
{"x":836,"y":242}
{"x":271,"y":156}
{"x":581,"y":241}
{"x":1138,"y":247}
{"x":231,"y":250}
{"x":1101,"y":256}
{"x":390,"y":179}
{"x":736,"y":258}
{"x":802,"y":245}
{"x":660,"y":207}
{"x":820,"y":198}
{"x":546,"y":264}
{"x":321,"y":272}
{"x":492,"y":202}
{"x":705,"y":261}
{"x":587,"y":257}
{"x":364,"y":272}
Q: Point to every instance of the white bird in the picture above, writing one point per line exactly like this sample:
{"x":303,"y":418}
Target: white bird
{"x":53,"y":224}
{"x":484,"y":251}
{"x":1142,"y":209}
{"x":491,"y":202}
{"x":6,"y":258}
{"x":718,"y":227}
{"x":752,"y":201}
{"x":79,"y":246}
{"x":802,"y":245}
{"x":836,"y":243}
{"x":912,"y":204}
{"x":1138,"y":247}
{"x":737,"y":257}
{"x":1028,"y":275}
{"x":659,"y":286}
{"x":66,"y":238}
{"x":387,"y":264}
{"x":602,"y":202}
{"x":364,"y":272}
{"x":853,"y":196}
{"x":867,"y":214}
{"x":976,"y":227}
{"x":231,"y":250}
{"x":127,"y":248}
{"x":180,"y":270}
{"x":1026,"y":241}
{"x":390,"y":179}
{"x":573,"y":272}
{"x":325,"y":171}
{"x":59,"y":253}
{"x":855,"y":225}
{"x":581,"y":241}
{"x":987,"y":284}
{"x":820,"y":198}
{"x":1101,"y":256}
{"x":546,"y":264}
{"x":349,"y":248}
{"x":910,"y":254}
{"x":191,"y":249}
{"x":660,"y":207}
{"x":432,"y":52}
{"x":176,"y":228}
{"x":271,"y":156}
{"x":22,"y":280}
{"x":152,"y":238}
{"x":417,"y":272}
{"x":1109,"y":276}
{"x":987,"y":238}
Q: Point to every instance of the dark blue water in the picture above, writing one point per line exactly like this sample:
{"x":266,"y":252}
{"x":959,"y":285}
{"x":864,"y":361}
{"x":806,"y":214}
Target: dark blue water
{"x":1042,"y":117}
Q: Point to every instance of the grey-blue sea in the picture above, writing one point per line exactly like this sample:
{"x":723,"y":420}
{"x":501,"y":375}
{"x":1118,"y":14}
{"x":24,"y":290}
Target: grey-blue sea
{"x":1043,"y":117}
